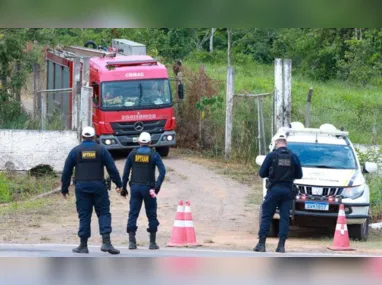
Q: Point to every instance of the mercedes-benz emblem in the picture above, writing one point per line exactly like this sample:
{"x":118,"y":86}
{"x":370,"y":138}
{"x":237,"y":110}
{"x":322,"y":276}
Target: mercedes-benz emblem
{"x":138,"y":126}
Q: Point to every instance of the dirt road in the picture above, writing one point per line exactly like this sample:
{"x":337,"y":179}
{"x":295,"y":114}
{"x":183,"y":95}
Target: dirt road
{"x":225,"y":212}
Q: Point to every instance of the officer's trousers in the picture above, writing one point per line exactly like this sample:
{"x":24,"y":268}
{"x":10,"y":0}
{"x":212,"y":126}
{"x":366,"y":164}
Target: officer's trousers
{"x":138,"y":195}
{"x":280,"y":197}
{"x":89,"y":195}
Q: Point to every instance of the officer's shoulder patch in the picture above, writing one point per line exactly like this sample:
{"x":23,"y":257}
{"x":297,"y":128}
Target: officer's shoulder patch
{"x":88,"y":154}
{"x":143,"y":158}
{"x":285,"y":162}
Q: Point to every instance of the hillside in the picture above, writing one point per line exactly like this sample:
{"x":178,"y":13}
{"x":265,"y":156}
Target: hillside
{"x":355,"y":108}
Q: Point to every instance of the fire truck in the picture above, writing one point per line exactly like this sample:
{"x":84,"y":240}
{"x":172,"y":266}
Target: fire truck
{"x":131,"y":92}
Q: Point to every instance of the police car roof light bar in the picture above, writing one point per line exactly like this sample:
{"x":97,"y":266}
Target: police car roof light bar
{"x":314,"y":131}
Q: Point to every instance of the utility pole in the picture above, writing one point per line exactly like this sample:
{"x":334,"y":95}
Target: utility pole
{"x":282,"y":93}
{"x":229,"y":107}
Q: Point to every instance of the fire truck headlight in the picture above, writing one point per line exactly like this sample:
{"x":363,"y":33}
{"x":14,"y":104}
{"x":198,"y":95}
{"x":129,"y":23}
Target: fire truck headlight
{"x":108,"y":142}
{"x":169,"y":138}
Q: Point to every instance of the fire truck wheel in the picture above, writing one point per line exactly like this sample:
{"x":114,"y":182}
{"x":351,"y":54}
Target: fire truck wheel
{"x":163,"y":151}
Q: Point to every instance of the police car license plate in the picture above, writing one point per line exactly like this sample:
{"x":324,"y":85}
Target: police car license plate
{"x":318,"y":206}
{"x":135,"y":140}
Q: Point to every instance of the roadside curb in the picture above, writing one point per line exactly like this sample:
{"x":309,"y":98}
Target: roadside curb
{"x":376,"y":226}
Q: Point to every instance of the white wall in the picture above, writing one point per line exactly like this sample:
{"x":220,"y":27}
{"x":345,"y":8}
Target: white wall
{"x":25,"y":149}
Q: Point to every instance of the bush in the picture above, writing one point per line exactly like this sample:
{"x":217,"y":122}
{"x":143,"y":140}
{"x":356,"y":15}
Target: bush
{"x":18,"y":187}
{"x":4,"y":192}
{"x":375,"y":185}
{"x":199,"y":56}
{"x":374,"y":181}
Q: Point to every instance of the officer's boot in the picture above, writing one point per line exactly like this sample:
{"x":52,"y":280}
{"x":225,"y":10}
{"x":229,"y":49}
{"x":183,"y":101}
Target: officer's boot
{"x":281,"y":246}
{"x":132,"y":241}
{"x":83,"y":247}
{"x":153,"y":244}
{"x":260,"y":247}
{"x":107,"y":246}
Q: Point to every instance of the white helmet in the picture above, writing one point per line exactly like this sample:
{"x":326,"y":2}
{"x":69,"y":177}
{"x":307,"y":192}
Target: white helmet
{"x":144,"y":138}
{"x":88,"y":132}
{"x":281,"y":136}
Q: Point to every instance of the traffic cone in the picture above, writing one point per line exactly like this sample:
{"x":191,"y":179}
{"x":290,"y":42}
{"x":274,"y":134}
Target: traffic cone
{"x":178,"y":236}
{"x":189,"y":224}
{"x":341,"y":236}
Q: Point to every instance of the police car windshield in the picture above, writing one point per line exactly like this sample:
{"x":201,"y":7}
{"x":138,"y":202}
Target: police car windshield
{"x":136,"y":94}
{"x":324,"y":155}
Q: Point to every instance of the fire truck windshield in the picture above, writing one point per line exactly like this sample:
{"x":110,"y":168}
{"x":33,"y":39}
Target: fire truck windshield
{"x":136,"y":94}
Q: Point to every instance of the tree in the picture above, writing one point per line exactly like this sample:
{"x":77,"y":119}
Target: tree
{"x":213,"y":30}
{"x":200,"y":37}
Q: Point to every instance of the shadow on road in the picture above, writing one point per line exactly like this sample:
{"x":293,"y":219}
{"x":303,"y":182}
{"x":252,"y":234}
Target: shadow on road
{"x":316,"y":233}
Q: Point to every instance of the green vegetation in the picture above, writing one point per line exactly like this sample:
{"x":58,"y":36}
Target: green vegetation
{"x":18,"y":187}
{"x":352,"y":107}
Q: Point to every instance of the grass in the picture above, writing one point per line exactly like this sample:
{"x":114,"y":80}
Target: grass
{"x":23,"y":206}
{"x":342,"y":104}
{"x":16,"y":187}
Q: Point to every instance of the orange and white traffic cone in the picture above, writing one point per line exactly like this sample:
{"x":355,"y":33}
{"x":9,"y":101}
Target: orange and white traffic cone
{"x":189,"y":224}
{"x":341,"y":236}
{"x":178,"y":236}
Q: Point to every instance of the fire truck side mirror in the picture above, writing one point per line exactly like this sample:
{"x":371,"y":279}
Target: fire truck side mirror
{"x":180,"y":91}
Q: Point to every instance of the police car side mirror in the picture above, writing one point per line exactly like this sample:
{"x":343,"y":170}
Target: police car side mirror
{"x":370,"y":167}
{"x":260,"y":159}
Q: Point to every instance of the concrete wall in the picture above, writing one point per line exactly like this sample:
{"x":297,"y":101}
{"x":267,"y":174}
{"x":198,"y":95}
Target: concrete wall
{"x":25,"y":149}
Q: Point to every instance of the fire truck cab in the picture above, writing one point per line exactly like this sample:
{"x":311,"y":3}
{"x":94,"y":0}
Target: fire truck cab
{"x":131,"y":94}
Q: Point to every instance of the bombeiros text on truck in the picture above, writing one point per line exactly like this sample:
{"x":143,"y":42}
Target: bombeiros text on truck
{"x":131,"y":93}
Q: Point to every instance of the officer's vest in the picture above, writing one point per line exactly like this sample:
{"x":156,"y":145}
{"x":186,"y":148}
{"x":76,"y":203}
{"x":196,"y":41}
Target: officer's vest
{"x":89,"y":163}
{"x":143,"y":169}
{"x":283,"y":167}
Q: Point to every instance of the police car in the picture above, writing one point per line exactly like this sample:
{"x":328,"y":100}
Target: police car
{"x":332,"y":174}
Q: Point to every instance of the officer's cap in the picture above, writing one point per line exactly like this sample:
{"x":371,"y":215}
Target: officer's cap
{"x":88,"y":132}
{"x":144,"y":138}
{"x":281,"y":136}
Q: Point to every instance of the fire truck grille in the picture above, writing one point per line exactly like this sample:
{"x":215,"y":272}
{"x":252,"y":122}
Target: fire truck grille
{"x":135,"y":128}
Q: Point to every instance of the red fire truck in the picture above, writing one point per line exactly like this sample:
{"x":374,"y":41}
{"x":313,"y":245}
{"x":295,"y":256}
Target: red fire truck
{"x":131,"y":93}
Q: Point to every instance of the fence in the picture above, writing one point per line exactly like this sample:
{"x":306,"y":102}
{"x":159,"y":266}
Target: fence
{"x":205,"y":129}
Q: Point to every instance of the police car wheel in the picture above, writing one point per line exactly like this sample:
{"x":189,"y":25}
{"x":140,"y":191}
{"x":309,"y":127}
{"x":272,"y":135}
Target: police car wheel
{"x":163,"y":151}
{"x":359,"y":232}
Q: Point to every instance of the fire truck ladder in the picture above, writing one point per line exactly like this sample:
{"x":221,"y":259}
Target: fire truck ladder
{"x":88,"y":52}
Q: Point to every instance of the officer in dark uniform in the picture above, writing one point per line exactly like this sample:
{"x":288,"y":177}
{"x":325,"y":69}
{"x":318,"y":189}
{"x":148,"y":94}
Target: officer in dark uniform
{"x":281,"y":167}
{"x":142,"y":162}
{"x":89,"y":159}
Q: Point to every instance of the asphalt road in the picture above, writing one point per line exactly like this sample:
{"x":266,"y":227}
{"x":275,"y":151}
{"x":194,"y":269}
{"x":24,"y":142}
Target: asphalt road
{"x":64,"y":250}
